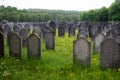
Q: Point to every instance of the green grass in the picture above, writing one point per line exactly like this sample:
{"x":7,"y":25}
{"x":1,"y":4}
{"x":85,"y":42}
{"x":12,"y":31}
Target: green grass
{"x":54,"y":65}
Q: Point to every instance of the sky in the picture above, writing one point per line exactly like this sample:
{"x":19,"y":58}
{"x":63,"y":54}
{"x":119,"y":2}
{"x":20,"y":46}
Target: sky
{"x":78,"y":5}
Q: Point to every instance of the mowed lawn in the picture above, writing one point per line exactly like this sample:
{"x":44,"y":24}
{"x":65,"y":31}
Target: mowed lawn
{"x":54,"y":65}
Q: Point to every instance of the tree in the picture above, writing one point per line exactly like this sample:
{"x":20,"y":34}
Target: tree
{"x":114,"y":11}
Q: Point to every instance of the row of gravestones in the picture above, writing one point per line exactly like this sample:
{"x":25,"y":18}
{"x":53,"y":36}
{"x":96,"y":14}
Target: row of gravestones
{"x":92,"y":29}
{"x":33,"y":45}
{"x":98,"y":35}
{"x":40,"y":27}
{"x":109,"y":53}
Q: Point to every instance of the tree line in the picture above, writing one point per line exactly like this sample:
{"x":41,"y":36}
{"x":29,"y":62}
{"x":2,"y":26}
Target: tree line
{"x":36,"y":15}
{"x":41,"y":15}
{"x":103,"y":14}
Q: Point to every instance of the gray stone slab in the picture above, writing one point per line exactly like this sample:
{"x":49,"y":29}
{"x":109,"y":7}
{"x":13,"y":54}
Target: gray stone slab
{"x":82,"y":52}
{"x":99,"y":38}
{"x":24,"y":35}
{"x":110,"y":54}
{"x":15,"y":48}
{"x":34,"y":46}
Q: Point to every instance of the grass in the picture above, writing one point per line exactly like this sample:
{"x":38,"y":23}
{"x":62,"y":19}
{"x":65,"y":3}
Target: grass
{"x":54,"y":65}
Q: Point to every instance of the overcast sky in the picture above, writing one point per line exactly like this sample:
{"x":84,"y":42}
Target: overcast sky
{"x":80,"y":5}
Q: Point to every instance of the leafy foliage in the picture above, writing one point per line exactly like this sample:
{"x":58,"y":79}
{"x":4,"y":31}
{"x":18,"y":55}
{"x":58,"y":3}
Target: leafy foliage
{"x":13,"y":14}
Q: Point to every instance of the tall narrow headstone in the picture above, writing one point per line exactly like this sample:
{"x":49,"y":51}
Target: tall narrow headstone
{"x":27,"y":27}
{"x":15,"y":47}
{"x":52,"y":24}
{"x":110,"y":54}
{"x":34,"y":46}
{"x":97,"y":42}
{"x":49,"y":38}
{"x":71,"y":31}
{"x":9,"y":34}
{"x":61,"y":31}
{"x":82,"y":51}
{"x":1,"y":44}
{"x":24,"y":35}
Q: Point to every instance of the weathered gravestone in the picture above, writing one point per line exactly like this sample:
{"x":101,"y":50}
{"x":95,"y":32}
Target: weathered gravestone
{"x":49,"y":38}
{"x":37,"y":31}
{"x":9,"y":34}
{"x":94,"y":29}
{"x":83,"y":32}
{"x":16,"y":28}
{"x":34,"y":46}
{"x":110,"y":54}
{"x":71,"y":31}
{"x":6,"y":29}
{"x":1,"y":44}
{"x":61,"y":30}
{"x":82,"y":51}
{"x":24,"y":35}
{"x":97,"y":42}
{"x":52,"y":24}
{"x":27,"y":27}
{"x":15,"y":47}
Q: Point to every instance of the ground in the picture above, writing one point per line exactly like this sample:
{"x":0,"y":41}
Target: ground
{"x":54,"y":65}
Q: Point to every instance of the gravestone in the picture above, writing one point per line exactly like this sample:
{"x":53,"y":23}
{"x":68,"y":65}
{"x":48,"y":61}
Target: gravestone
{"x":110,"y":54}
{"x":1,"y":44}
{"x":6,"y":28}
{"x":82,"y":51}
{"x":97,"y":42}
{"x":27,"y":27}
{"x":37,"y":31}
{"x":52,"y":24}
{"x":71,"y":31}
{"x":24,"y":35}
{"x":15,"y":47}
{"x":16,"y":28}
{"x":61,"y":30}
{"x":49,"y":38}
{"x":9,"y":34}
{"x":34,"y":46}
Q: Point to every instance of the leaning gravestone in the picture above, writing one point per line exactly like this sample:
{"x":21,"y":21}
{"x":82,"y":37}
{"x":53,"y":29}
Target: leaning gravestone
{"x":1,"y":44}
{"x":110,"y":54}
{"x":82,"y":51}
{"x":34,"y":46}
{"x":24,"y":35}
{"x":15,"y":47}
{"x":97,"y":42}
{"x":9,"y":34}
{"x":61,"y":31}
{"x":49,"y":38}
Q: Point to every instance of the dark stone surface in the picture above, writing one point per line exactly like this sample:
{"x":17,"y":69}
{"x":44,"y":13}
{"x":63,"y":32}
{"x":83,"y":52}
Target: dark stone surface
{"x":61,"y":30}
{"x":34,"y":46}
{"x":82,"y":52}
{"x":110,"y":54}
{"x":49,"y":38}
{"x":1,"y":44}
{"x":71,"y":31}
{"x":15,"y":48}
{"x":9,"y":34}
{"x":24,"y":35}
